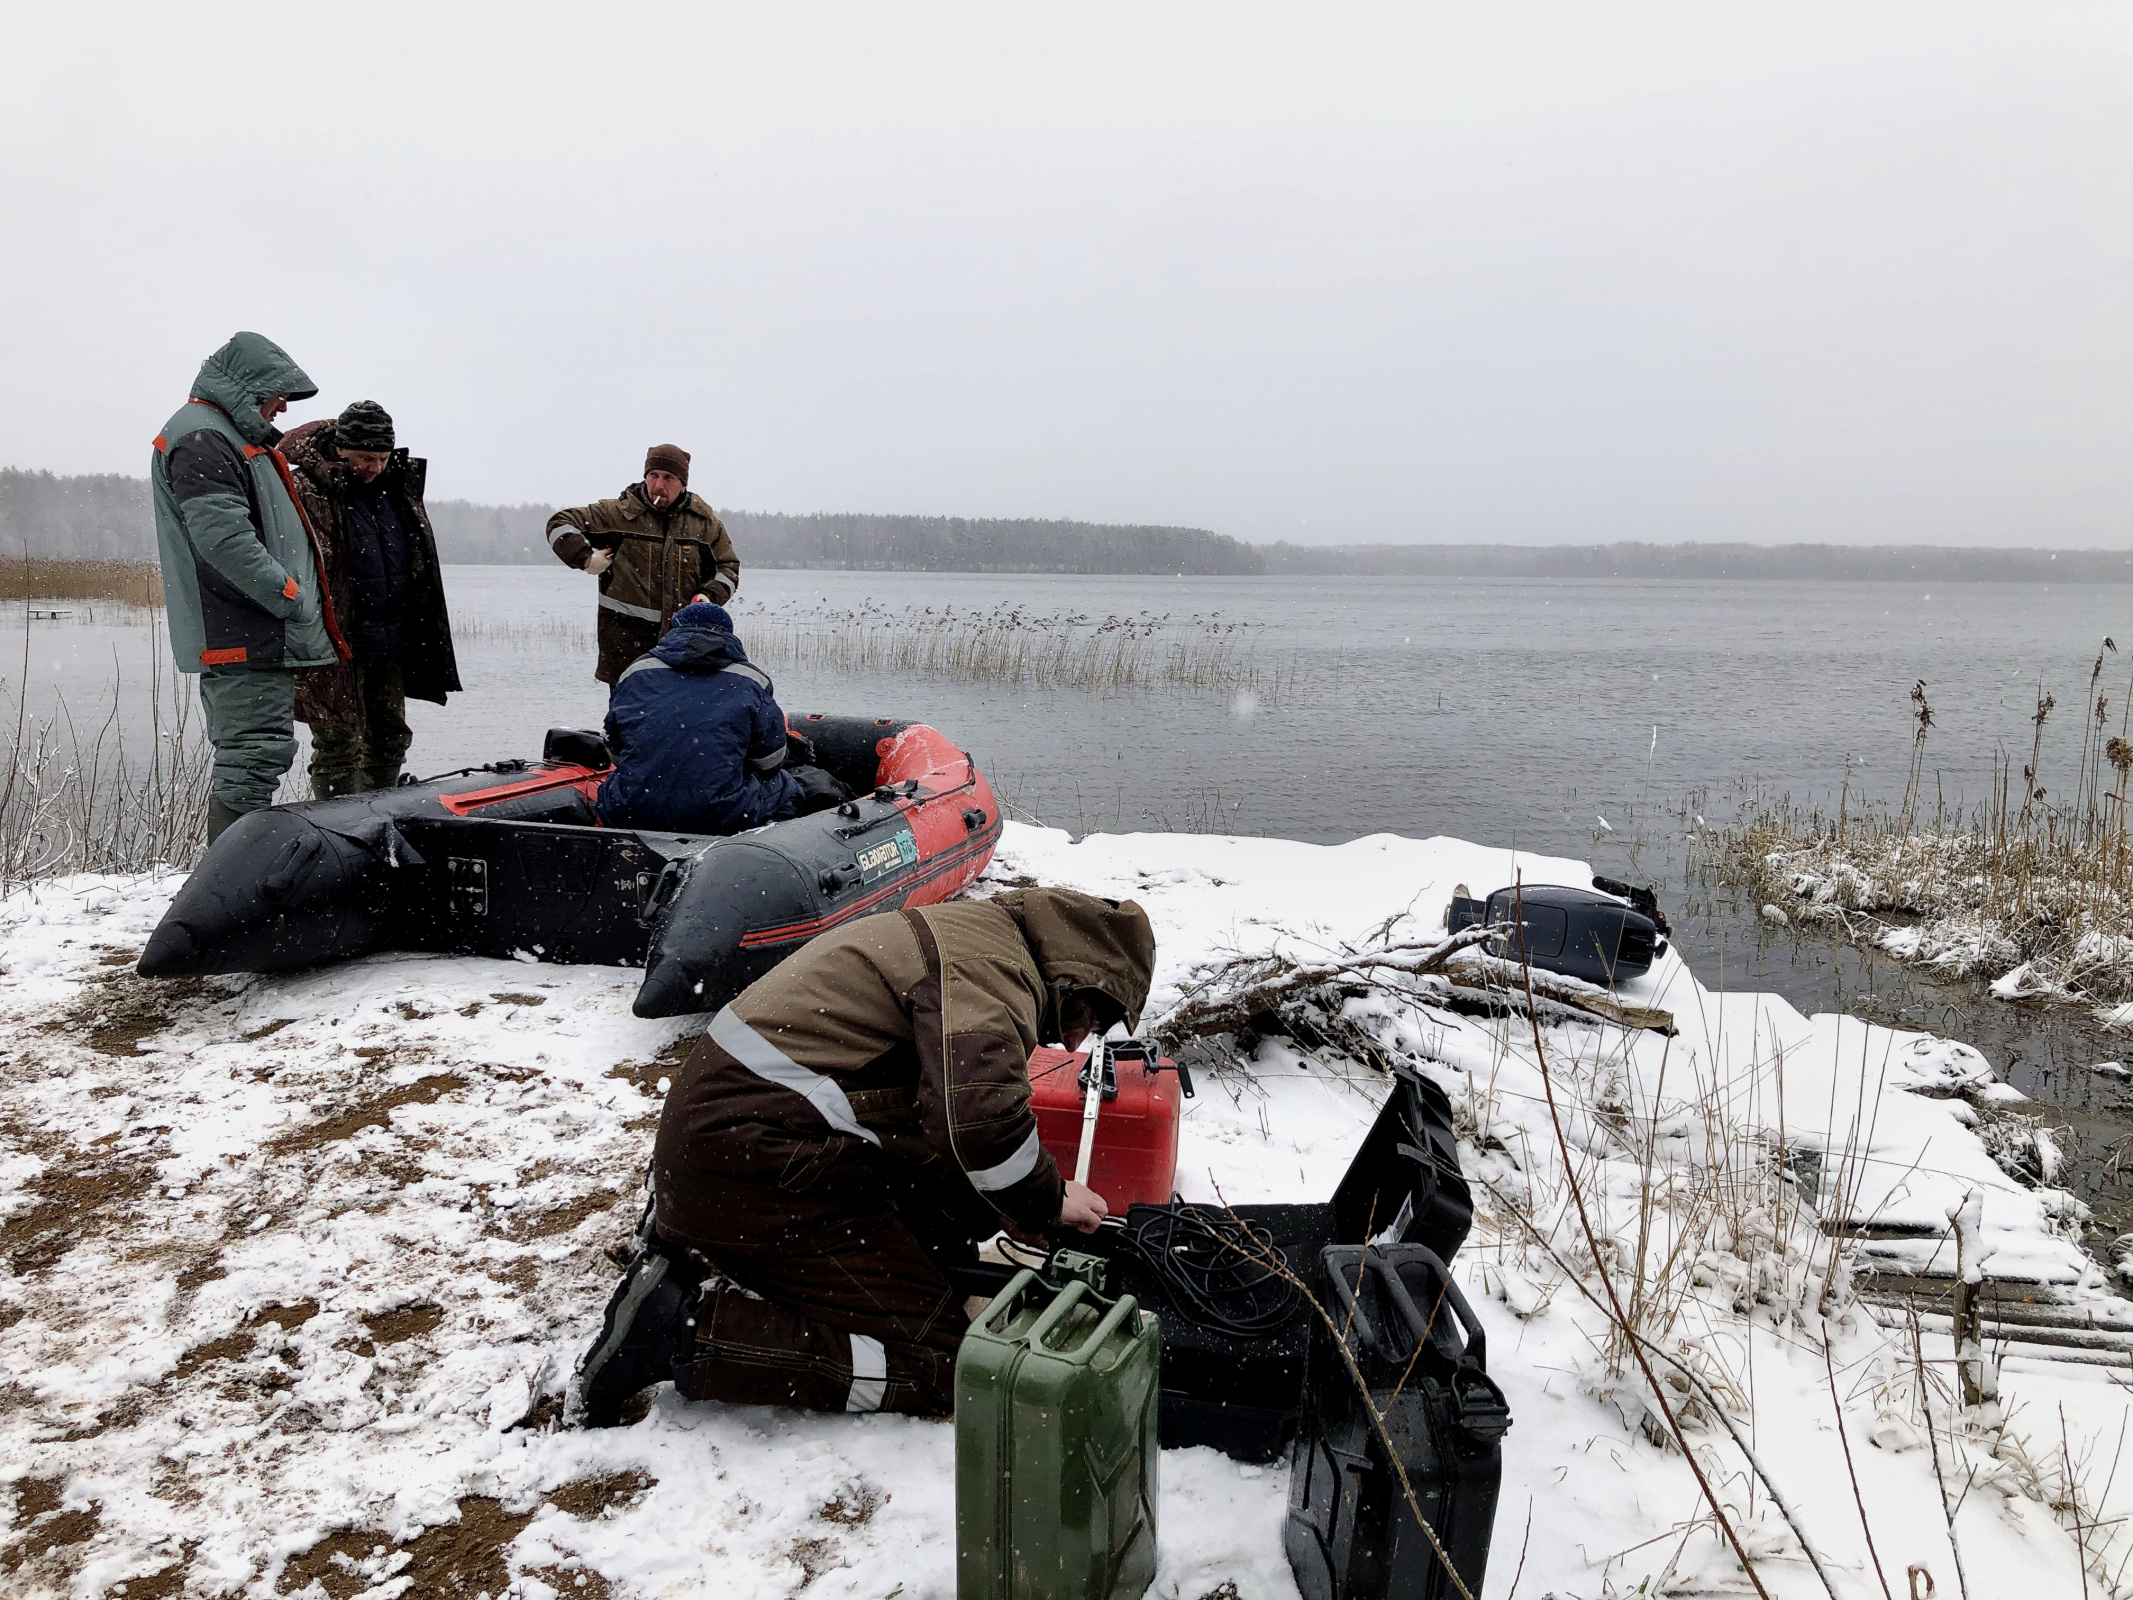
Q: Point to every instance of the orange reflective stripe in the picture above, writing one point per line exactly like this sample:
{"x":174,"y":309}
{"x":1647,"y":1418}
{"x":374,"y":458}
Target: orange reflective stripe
{"x":289,"y":590}
{"x":252,"y":450}
{"x":221,"y":658}
{"x":162,"y":444}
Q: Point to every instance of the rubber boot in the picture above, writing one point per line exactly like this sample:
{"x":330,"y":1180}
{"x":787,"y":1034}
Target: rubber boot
{"x":219,"y":817}
{"x":375,"y":778}
{"x":646,"y":1337}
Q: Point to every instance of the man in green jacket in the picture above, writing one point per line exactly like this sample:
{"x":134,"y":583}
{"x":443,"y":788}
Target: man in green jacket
{"x":241,"y":577}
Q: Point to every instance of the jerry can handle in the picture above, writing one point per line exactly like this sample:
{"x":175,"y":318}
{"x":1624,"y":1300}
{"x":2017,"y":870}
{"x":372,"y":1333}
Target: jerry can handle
{"x":1074,"y":1293}
{"x":1003,"y":1303}
{"x":1475,"y":1348}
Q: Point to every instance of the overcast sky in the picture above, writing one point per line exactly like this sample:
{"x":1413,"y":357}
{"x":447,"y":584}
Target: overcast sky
{"x":1525,"y":273}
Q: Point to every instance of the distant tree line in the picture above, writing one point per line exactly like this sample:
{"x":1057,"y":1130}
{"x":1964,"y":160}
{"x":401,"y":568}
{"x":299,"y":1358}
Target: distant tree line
{"x":1880,"y":563}
{"x":107,"y":516}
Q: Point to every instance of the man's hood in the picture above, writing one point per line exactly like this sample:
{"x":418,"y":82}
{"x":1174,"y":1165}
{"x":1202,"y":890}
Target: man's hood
{"x":693,"y":647}
{"x":1081,"y":942}
{"x":244,"y":373}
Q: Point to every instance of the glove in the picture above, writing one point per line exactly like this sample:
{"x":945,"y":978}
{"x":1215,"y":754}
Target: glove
{"x":818,"y":789}
{"x":599,"y":561}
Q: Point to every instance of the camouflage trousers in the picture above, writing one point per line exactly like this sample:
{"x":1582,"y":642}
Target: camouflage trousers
{"x":367,"y":756}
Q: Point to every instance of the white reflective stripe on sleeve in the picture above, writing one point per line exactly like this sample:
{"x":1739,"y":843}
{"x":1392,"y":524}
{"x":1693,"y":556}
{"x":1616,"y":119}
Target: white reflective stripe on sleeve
{"x":1011,"y":1171}
{"x":754,"y":675}
{"x":870,"y":1374}
{"x":644,"y":613}
{"x":767,"y":1061}
{"x":769,"y":763}
{"x":559,"y":530}
{"x":644,"y":664}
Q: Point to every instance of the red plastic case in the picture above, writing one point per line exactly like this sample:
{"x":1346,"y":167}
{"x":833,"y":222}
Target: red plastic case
{"x":1136,"y":1156}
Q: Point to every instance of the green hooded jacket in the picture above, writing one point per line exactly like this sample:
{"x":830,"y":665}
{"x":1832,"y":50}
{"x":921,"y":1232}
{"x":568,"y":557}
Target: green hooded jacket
{"x":240,"y":566}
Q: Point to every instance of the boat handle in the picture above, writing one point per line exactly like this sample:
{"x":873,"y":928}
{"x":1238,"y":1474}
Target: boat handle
{"x":670,"y":878}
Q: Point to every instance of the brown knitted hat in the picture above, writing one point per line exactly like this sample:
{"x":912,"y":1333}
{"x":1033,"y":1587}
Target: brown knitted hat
{"x":668,"y":458}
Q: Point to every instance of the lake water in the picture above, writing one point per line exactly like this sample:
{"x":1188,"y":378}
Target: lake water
{"x":1519,"y":713}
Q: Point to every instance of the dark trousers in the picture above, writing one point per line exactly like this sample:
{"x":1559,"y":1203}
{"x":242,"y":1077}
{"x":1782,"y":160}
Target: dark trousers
{"x":368,"y":755}
{"x":835,"y":1298}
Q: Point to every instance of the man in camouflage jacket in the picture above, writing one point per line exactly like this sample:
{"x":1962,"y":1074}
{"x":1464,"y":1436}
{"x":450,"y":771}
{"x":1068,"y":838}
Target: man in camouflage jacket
{"x":654,"y":547}
{"x":388,"y":593}
{"x":856,"y":1120}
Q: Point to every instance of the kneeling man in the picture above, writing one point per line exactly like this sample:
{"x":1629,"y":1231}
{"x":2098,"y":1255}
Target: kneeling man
{"x":855,"y":1121}
{"x":698,"y":741}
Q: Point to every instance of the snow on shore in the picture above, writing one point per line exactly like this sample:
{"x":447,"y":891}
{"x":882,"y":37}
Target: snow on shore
{"x":296,"y":1266}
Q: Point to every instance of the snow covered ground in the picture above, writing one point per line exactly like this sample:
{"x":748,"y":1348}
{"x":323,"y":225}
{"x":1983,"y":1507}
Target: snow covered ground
{"x":295,"y":1268}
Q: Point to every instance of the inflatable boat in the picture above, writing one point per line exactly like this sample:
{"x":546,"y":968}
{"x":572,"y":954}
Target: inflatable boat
{"x":507,"y":860}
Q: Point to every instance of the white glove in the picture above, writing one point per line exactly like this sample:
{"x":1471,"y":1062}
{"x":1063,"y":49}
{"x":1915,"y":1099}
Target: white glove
{"x":599,"y":561}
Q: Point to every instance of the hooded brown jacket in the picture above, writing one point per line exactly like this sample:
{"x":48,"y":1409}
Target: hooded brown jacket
{"x":905,"y":1038}
{"x":664,"y":555}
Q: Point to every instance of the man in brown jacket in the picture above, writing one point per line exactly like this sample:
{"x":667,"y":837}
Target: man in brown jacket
{"x":654,"y":547}
{"x":852,"y":1123}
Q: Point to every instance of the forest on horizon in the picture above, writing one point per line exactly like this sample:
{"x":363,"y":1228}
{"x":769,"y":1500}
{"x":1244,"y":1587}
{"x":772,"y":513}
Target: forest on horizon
{"x":107,"y":516}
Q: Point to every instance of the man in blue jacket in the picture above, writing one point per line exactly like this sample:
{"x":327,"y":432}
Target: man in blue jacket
{"x":698,"y":741}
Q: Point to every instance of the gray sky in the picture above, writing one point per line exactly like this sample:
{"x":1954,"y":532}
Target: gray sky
{"x":1526,"y":273}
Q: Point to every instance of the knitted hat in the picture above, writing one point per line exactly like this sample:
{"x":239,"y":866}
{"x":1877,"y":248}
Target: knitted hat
{"x":668,"y":458}
{"x":703,"y":614}
{"x":366,"y":425}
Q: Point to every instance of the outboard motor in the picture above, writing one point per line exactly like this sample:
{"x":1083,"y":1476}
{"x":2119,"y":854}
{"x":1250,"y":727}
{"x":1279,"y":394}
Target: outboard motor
{"x":1581,"y":933}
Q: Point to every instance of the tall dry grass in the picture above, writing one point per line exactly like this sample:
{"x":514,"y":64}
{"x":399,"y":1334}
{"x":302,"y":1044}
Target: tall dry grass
{"x":131,"y":583}
{"x":2030,"y":886}
{"x":75,"y":798}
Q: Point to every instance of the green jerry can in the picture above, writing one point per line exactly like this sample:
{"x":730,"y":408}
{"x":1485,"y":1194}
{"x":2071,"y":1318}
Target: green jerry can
{"x":1055,"y":1449}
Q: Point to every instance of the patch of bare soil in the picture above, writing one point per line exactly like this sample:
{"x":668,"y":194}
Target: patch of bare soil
{"x":587,"y":1498}
{"x":409,"y":1322}
{"x":68,"y":1205}
{"x":114,"y":1014}
{"x":853,"y":1506}
{"x":813,"y":1557}
{"x":562,"y":1218}
{"x":510,"y":998}
{"x":49,"y":1528}
{"x":268,"y":1031}
{"x":237,"y":1346}
{"x":583,"y":1584}
{"x":466,"y":1557}
{"x":375,"y":1113}
{"x":159,"y":1585}
{"x":646,"y":1074}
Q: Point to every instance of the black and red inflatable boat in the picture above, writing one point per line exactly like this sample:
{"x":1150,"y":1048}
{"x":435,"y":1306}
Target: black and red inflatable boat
{"x":507,"y":860}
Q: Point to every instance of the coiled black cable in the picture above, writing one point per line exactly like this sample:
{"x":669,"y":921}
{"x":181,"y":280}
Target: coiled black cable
{"x":1221,"y":1273}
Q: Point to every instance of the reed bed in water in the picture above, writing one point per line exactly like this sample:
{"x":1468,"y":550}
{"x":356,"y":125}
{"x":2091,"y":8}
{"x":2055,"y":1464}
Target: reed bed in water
{"x":2031,"y":887}
{"x":31,"y":578}
{"x":75,"y":798}
{"x":1015,"y":646}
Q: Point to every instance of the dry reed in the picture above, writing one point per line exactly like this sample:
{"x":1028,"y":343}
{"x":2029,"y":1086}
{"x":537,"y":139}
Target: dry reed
{"x":2029,"y":886}
{"x":1016,"y":647}
{"x":30,"y":578}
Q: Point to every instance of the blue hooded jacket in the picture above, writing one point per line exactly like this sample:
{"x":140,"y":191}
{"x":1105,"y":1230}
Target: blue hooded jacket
{"x":697,"y":739}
